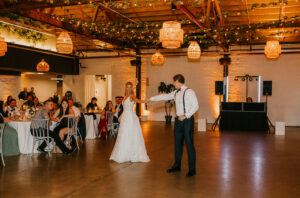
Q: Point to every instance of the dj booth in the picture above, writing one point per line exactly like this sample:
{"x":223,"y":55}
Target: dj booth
{"x":243,"y":116}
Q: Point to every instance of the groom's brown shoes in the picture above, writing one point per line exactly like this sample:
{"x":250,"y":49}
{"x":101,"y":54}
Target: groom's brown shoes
{"x":173,"y":170}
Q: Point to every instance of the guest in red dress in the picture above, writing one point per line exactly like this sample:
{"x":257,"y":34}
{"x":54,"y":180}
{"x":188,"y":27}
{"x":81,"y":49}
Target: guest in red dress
{"x":102,"y":127}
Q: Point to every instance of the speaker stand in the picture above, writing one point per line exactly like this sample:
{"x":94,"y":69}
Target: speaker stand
{"x":270,"y":124}
{"x":218,"y":118}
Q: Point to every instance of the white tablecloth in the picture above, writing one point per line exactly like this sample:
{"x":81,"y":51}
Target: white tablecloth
{"x":92,"y":126}
{"x":25,"y":139}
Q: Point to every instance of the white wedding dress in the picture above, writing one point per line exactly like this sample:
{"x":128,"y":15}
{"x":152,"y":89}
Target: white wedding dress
{"x":130,"y":146}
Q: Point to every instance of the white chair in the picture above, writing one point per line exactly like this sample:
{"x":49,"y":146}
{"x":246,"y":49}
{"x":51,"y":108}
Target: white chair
{"x":40,"y":131}
{"x":111,"y":126}
{"x":73,"y":129}
{"x":1,"y":138}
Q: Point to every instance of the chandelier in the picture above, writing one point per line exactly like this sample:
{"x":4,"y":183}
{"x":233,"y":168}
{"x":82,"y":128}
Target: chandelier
{"x":194,"y":50}
{"x":272,"y":49}
{"x":43,"y":66}
{"x":157,"y":58}
{"x":64,"y":43}
{"x":171,"y":35}
{"x":3,"y":46}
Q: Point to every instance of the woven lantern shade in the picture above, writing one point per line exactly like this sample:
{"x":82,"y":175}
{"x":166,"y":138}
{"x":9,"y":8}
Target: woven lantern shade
{"x":157,"y":58}
{"x":171,"y":35}
{"x":272,"y":49}
{"x":194,"y":50}
{"x":43,"y":66}
{"x":64,"y":43}
{"x":3,"y":46}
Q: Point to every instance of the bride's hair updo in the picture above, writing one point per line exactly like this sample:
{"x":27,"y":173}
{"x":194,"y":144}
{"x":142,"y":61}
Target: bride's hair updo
{"x":131,"y":84}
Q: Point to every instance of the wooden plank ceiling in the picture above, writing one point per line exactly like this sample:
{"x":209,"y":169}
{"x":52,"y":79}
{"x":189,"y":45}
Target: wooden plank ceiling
{"x":211,"y":14}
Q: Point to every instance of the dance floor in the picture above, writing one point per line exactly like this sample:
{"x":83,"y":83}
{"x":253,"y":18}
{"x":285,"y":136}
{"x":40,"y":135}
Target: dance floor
{"x":229,"y":164}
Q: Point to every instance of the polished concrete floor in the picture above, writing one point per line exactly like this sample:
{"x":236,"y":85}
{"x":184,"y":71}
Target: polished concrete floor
{"x":229,"y":164}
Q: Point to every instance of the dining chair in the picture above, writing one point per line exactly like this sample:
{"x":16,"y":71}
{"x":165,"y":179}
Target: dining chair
{"x":1,"y":139}
{"x":72,"y":130}
{"x":40,"y":131}
{"x":111,"y":126}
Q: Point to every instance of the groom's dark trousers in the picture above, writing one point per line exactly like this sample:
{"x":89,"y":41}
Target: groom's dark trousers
{"x":184,"y":131}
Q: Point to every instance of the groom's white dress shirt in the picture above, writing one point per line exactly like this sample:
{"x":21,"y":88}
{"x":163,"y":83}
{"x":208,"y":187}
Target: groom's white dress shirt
{"x":191,"y":102}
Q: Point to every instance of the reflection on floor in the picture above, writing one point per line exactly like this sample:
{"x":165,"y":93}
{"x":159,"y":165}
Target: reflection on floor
{"x":230,"y":164}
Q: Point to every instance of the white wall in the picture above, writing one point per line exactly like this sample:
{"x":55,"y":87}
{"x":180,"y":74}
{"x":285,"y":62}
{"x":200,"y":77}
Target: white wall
{"x":119,"y":68}
{"x":12,"y":85}
{"x":284,"y":105}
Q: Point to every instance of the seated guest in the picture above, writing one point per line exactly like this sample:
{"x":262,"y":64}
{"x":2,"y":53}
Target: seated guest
{"x":8,"y":100}
{"x":61,"y":116}
{"x":102,"y":126}
{"x":36,"y":103}
{"x":43,"y":113}
{"x":92,"y":105}
{"x":31,"y":93}
{"x":74,"y":108}
{"x":119,"y":108}
{"x":23,"y":94}
{"x":2,"y":107}
{"x":12,"y":110}
{"x":28,"y":103}
{"x":249,"y":99}
{"x":10,"y":145}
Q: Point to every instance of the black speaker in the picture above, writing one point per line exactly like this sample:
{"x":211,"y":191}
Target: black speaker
{"x":135,"y":62}
{"x":219,"y":88}
{"x":267,"y":88}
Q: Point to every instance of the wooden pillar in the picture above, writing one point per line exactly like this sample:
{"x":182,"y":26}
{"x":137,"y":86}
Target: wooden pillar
{"x":59,"y":86}
{"x":139,"y":81}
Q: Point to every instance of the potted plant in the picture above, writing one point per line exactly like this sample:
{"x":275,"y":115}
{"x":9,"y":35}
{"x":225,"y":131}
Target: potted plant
{"x":164,"y":88}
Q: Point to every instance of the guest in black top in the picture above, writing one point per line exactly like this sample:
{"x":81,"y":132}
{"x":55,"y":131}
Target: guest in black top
{"x":4,"y":114}
{"x":29,"y":102}
{"x":23,"y":94}
{"x":7,"y":103}
{"x":92,"y":105}
{"x":31,"y":93}
{"x":119,"y":108}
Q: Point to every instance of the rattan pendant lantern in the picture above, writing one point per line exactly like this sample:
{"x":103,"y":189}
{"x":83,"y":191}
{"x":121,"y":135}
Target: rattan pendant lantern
{"x":157,"y":58}
{"x":272,"y":49}
{"x":64,"y":43}
{"x":43,"y":66}
{"x":194,"y":51}
{"x":171,"y":35}
{"x":3,"y":46}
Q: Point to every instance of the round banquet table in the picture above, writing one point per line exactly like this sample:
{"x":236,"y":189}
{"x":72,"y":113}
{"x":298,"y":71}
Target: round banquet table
{"x":92,"y":126}
{"x":25,"y":139}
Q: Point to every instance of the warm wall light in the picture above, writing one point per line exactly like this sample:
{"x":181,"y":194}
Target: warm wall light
{"x":194,"y":50}
{"x":171,"y":35}
{"x":157,"y":58}
{"x":3,"y":46}
{"x":64,"y":43}
{"x":43,"y":66}
{"x":272,"y":49}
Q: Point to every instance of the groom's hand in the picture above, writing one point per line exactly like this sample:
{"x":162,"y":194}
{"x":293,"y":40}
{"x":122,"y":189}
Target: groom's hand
{"x":181,"y":118}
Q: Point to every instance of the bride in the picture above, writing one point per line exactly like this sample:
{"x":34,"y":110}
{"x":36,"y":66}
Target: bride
{"x":130,"y":146}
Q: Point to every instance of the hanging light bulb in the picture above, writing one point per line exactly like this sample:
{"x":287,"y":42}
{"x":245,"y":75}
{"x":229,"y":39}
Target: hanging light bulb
{"x":171,"y":35}
{"x":194,"y":50}
{"x":64,"y":43}
{"x":3,"y":46}
{"x":43,"y":66}
{"x":272,"y":49}
{"x":157,"y":58}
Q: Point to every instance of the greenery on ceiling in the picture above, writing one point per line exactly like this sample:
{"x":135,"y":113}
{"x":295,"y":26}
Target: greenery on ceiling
{"x":23,"y":33}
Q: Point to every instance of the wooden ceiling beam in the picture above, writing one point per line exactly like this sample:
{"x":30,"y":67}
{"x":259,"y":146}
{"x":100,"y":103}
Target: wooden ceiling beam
{"x":67,"y":26}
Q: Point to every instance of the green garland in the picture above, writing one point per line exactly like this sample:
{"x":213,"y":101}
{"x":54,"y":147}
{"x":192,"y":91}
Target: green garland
{"x":21,"y":32}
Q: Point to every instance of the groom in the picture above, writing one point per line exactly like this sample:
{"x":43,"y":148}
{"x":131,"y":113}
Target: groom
{"x":186,"y":105}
